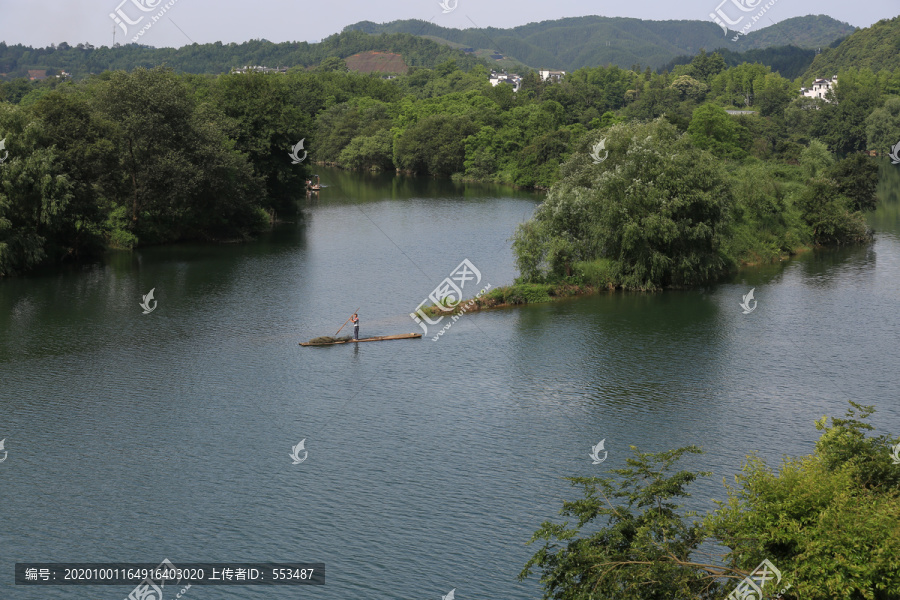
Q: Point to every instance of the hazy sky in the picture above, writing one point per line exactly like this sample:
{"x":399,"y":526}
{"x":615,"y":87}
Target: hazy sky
{"x":40,"y":23}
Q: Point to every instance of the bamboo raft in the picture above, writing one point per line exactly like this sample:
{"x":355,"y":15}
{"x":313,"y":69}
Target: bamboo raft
{"x":381,"y":338}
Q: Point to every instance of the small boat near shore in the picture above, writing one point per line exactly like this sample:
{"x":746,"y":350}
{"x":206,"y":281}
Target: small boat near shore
{"x":381,"y":338}
{"x":314,"y":187}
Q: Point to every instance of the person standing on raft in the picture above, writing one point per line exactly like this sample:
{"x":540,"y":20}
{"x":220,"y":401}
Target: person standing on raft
{"x":355,"y":321}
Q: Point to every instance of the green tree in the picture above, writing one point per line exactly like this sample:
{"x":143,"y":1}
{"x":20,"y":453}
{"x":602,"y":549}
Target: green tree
{"x":883,"y":126}
{"x":831,"y":215}
{"x":332,"y":63}
{"x":435,"y":145}
{"x":815,"y":158}
{"x":369,"y":152}
{"x":654,"y":208}
{"x":772,"y":94}
{"x":706,"y":66}
{"x":481,"y":153}
{"x":651,"y":99}
{"x":629,"y":540}
{"x":85,"y":152}
{"x":713,"y":129}
{"x":857,"y":179}
{"x":828,"y":521}
{"x":842,"y":123}
{"x":735,"y":86}
{"x":690,"y":88}
{"x":265,"y":125}
{"x":180,"y":176}
{"x":13,"y":91}
{"x":34,"y":192}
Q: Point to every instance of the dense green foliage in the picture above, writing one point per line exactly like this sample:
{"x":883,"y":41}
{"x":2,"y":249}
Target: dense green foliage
{"x":568,"y":44}
{"x":130,"y":157}
{"x":655,"y":208}
{"x":874,"y":48}
{"x":124,"y":159}
{"x":788,"y":61}
{"x":660,"y":210}
{"x":576,"y":42}
{"x":810,"y":31}
{"x":644,"y":552}
{"x":883,"y":125}
{"x":82,"y":60}
{"x":828,"y":522}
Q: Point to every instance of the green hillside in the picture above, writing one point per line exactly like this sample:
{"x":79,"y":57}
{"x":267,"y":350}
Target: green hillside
{"x":788,"y":61}
{"x":16,"y":60}
{"x":566,"y":44}
{"x":811,"y":32}
{"x":576,"y":42}
{"x":876,"y":47}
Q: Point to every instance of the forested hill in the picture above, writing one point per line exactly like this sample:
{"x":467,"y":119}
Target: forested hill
{"x":576,"y":42}
{"x":81,"y":60}
{"x":563,"y":44}
{"x":811,"y":32}
{"x":787,"y":61}
{"x":876,"y":47}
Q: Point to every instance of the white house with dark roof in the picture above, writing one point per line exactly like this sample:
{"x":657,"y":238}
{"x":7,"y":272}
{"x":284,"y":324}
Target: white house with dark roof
{"x":498,"y":77}
{"x":819,"y":88}
{"x":548,"y":74}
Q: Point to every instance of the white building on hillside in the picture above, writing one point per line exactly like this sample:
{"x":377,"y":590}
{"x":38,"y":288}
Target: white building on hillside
{"x":257,"y":69}
{"x":498,"y":77}
{"x":819,"y":88}
{"x":554,"y":75}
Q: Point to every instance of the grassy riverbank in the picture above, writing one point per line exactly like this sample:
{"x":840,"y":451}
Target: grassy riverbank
{"x":592,"y":277}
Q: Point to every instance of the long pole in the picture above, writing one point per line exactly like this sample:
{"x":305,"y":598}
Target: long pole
{"x":348,"y":320}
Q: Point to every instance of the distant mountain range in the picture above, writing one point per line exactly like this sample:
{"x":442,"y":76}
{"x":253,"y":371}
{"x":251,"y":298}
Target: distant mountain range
{"x":789,"y":47}
{"x":576,"y":42}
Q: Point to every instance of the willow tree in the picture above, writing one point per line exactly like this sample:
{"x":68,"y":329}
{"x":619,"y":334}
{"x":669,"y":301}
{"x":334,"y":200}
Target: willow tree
{"x":35,"y":191}
{"x":652,"y":209}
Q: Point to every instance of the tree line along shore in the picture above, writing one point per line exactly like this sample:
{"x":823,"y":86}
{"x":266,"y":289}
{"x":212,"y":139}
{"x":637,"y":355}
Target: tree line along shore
{"x":685,"y":193}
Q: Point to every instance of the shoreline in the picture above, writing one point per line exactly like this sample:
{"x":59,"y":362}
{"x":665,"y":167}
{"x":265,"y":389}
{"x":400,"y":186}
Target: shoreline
{"x":520,"y":294}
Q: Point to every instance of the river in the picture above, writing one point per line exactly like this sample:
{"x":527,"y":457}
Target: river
{"x":136,"y":437}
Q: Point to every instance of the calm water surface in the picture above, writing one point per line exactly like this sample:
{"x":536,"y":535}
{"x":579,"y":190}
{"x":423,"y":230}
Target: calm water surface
{"x":137,"y":437}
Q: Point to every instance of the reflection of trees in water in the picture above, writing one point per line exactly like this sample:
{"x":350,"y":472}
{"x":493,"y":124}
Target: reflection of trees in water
{"x":823,"y":265}
{"x":827,"y":267}
{"x":368,"y":186}
{"x":887,"y":215}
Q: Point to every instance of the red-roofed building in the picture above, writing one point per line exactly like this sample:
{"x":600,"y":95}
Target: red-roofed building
{"x":37,"y":74}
